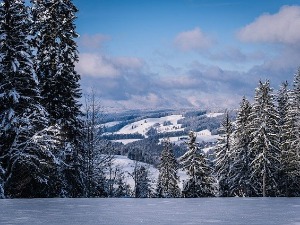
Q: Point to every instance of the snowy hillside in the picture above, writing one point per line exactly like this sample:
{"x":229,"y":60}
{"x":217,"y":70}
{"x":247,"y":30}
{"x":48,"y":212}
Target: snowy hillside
{"x":214,"y":114}
{"x":128,"y":165}
{"x":202,"y":136}
{"x":173,"y":126}
{"x":162,"y":125}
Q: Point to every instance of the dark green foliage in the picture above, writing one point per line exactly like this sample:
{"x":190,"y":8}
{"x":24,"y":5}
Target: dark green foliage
{"x":142,"y":182}
{"x":264,"y":142}
{"x":224,"y":157}
{"x":241,"y":153}
{"x":288,"y":107}
{"x":200,"y":182}
{"x":30,"y":168}
{"x":167,"y":184}
{"x":56,"y":54}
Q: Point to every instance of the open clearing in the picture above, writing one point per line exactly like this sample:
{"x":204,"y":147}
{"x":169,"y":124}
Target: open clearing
{"x":260,"y":211}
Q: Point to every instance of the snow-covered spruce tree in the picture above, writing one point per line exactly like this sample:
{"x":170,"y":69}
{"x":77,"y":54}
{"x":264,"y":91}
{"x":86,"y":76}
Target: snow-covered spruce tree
{"x":167,"y":184}
{"x":1,"y":182}
{"x":283,"y":103}
{"x":122,"y":189}
{"x":200,"y":182}
{"x":283,"y":106}
{"x":116,"y":185}
{"x":264,"y":142}
{"x":239,"y":175}
{"x":289,"y":140}
{"x":142,"y":182}
{"x":224,"y":157}
{"x":56,"y":54}
{"x":28,"y":163}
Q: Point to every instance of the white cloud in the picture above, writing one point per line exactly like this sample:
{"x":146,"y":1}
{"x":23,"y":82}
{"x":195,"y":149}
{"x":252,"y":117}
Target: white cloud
{"x":129,"y":62}
{"x":282,"y":27}
{"x":93,"y":41}
{"x":96,"y":66}
{"x":193,"y":40}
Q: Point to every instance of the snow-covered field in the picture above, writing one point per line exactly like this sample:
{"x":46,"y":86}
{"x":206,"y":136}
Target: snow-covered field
{"x":223,"y":211}
{"x":142,"y":126}
{"x":204,"y":135}
{"x":162,"y":125}
{"x":126,"y":141}
{"x":110,"y":124}
{"x":127,"y":166}
{"x":214,"y":114}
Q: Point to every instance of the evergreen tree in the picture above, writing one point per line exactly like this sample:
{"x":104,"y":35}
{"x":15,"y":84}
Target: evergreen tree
{"x":264,"y":142}
{"x":200,"y":182}
{"x":224,"y":157}
{"x":27,"y":162}
{"x":142,"y":182}
{"x":240,"y":184}
{"x":167,"y":184}
{"x":289,"y":140}
{"x":122,"y":189}
{"x":1,"y":182}
{"x":282,"y":103}
{"x":56,"y":55}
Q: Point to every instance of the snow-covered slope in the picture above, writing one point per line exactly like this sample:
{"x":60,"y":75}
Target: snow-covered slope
{"x":126,"y":141}
{"x":162,"y":125}
{"x":204,"y":135}
{"x":214,"y":114}
{"x":165,"y":124}
{"x":110,"y":124}
{"x":128,"y":165}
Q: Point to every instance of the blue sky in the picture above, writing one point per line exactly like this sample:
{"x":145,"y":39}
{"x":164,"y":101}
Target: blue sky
{"x":139,"y":54}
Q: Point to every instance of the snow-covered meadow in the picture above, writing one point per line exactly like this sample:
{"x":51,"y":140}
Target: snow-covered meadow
{"x":142,"y":126}
{"x":258,"y":211}
{"x":165,"y":124}
{"x":128,"y":165}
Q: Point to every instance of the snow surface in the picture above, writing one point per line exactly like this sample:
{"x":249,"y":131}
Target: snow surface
{"x":207,"y":149}
{"x":129,"y":211}
{"x":127,"y":166}
{"x":214,"y":114}
{"x":206,"y":136}
{"x":142,"y":126}
{"x":110,"y":124}
{"x":126,"y":141}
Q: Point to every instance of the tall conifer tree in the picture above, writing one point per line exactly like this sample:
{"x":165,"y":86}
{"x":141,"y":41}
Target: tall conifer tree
{"x":167,"y":184}
{"x":28,"y":166}
{"x":56,"y":55}
{"x":224,"y":156}
{"x":200,"y":182}
{"x":1,"y":182}
{"x":240,"y":184}
{"x":289,"y":139}
{"x":264,"y":142}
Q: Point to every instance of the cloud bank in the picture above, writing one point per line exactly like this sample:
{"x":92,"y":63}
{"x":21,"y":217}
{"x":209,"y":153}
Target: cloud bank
{"x":193,"y":40}
{"x":282,"y":27}
{"x":93,"y":41}
{"x":127,"y":82}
